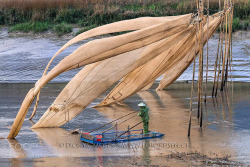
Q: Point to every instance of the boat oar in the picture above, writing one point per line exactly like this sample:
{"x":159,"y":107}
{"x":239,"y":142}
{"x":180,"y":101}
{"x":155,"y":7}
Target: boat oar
{"x":111,"y":122}
{"x":125,"y":132}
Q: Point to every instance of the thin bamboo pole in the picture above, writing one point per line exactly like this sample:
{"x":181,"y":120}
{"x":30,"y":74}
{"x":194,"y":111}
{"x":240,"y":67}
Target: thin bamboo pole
{"x":221,"y":55}
{"x":205,"y":100}
{"x":225,"y":52}
{"x":220,"y":37}
{"x":192,"y":89}
{"x":201,"y":61}
{"x":229,"y":40}
{"x":232,"y":8}
{"x":225,"y":83}
{"x":228,"y":48}
{"x":231,"y":46}
{"x":199,"y":28}
{"x":38,"y":94}
{"x":216,"y":62}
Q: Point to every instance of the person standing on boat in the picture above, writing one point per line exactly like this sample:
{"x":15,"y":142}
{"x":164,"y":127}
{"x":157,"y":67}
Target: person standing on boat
{"x":144,"y":116}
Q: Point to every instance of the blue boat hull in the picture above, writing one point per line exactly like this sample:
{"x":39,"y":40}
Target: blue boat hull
{"x":106,"y":138}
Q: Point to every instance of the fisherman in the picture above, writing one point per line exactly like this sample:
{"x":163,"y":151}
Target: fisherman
{"x":144,"y":116}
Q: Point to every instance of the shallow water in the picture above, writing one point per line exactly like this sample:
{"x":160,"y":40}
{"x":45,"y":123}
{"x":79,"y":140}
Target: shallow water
{"x":226,"y":128}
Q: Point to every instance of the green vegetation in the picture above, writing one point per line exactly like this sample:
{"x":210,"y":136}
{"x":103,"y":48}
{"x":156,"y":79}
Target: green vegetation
{"x":30,"y":26}
{"x":61,"y":15}
{"x":240,"y":25}
{"x":62,"y":28}
{"x":236,"y":24}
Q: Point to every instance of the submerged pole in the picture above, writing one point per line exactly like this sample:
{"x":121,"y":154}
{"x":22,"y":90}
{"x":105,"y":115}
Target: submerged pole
{"x":225,"y":53}
{"x":192,"y":89}
{"x":199,"y":74}
{"x":221,"y":38}
{"x":216,"y":63}
{"x":229,"y":42}
{"x":205,"y":100}
{"x":201,"y":61}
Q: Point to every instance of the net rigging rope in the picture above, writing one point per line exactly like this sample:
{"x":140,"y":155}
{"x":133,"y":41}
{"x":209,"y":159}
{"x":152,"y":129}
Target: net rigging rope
{"x":111,"y":122}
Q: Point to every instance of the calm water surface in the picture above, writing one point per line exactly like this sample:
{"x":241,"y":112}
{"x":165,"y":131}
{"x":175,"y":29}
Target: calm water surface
{"x":226,"y":130}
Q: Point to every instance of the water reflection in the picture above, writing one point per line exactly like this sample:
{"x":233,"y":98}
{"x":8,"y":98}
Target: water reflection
{"x":169,"y":114}
{"x":18,"y":151}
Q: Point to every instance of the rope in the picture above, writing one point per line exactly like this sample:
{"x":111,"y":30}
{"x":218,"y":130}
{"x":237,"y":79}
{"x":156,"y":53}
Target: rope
{"x":126,"y":131}
{"x":111,"y":122}
{"x":118,"y":124}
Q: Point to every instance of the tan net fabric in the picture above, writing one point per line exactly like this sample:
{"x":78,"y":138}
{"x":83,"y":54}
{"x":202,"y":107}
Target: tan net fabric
{"x":180,"y":53}
{"x":86,"y":86}
{"x":147,"y":73}
{"x":176,"y":70}
{"x":101,"y":49}
{"x":93,"y":80}
{"x":126,"y":25}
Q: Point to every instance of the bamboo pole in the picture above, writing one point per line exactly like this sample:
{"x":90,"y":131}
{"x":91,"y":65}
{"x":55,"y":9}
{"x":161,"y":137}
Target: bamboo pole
{"x":228,"y":47}
{"x":38,"y":94}
{"x":205,"y":100}
{"x":221,"y":55}
{"x":201,"y":61}
{"x":225,"y":83}
{"x":225,"y":52}
{"x":229,"y":41}
{"x":231,"y":47}
{"x":192,"y":89}
{"x":232,"y":8}
{"x":216,"y":62}
{"x":199,"y":28}
{"x":220,"y":37}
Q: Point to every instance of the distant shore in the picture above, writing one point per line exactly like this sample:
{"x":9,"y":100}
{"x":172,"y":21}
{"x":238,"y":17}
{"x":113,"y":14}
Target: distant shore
{"x":238,"y":35}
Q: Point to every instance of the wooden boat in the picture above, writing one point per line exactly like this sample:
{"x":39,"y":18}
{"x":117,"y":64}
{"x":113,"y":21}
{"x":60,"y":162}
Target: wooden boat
{"x":119,"y":136}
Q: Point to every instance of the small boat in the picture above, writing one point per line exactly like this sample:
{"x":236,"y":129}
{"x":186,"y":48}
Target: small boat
{"x":119,"y":136}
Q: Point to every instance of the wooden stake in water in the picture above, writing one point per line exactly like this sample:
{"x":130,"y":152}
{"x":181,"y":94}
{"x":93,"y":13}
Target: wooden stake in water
{"x":201,"y":61}
{"x":221,"y":55}
{"x":225,"y":53}
{"x":205,"y":100}
{"x":216,"y":62}
{"x":192,"y":89}
{"x":229,"y":43}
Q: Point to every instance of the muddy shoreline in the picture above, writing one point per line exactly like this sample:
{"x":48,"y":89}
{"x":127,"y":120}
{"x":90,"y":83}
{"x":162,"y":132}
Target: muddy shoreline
{"x":188,"y":159}
{"x":238,"y":35}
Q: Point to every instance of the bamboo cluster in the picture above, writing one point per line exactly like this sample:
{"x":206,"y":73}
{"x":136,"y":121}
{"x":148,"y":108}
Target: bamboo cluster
{"x":223,"y":59}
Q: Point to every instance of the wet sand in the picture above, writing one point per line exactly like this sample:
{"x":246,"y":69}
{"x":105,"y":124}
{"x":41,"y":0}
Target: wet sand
{"x":224,"y":139}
